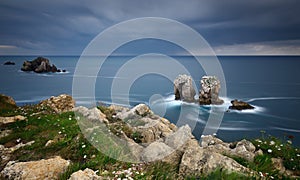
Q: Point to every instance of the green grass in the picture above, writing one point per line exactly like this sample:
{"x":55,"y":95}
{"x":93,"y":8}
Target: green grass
{"x":43,"y":125}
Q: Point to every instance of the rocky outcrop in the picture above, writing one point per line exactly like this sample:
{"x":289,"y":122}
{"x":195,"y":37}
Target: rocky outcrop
{"x":184,"y":89}
{"x":197,"y":161}
{"x":59,"y":104}
{"x":39,"y":65}
{"x":240,"y":105}
{"x":244,"y":149}
{"x":6,"y":152}
{"x":42,"y":169}
{"x":93,"y":114}
{"x":7,"y":102}
{"x":209,"y":92}
{"x":87,"y":174}
{"x":9,"y":63}
{"x":6,"y":120}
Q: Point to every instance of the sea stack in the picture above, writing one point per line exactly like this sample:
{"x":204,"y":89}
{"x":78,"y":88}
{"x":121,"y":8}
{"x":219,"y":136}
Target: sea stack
{"x":183,"y":88}
{"x":39,"y":65}
{"x":209,"y":93}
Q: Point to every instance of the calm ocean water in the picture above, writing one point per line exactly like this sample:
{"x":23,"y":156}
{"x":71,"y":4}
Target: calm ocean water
{"x":271,"y":84}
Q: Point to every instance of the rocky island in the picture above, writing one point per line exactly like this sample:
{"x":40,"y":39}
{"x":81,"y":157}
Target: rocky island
{"x":40,"y":65}
{"x":44,"y":141}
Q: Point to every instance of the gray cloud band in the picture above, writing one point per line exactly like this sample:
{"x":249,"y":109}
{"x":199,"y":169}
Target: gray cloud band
{"x":108,"y":41}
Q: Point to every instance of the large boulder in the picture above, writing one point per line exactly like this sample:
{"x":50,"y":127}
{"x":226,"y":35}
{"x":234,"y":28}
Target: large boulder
{"x":240,"y":105}
{"x":209,"y":93}
{"x":184,"y":89}
{"x":59,"y":104}
{"x":39,"y":65}
{"x":197,"y":161}
{"x":42,"y":169}
{"x":244,"y":149}
{"x":7,"y":102}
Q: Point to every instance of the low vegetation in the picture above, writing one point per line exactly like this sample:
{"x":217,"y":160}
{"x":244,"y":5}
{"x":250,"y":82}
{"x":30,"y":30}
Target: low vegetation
{"x":63,"y":137}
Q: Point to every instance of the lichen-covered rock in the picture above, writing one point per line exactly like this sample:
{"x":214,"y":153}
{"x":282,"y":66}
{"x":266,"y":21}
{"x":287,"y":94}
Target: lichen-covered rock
{"x":209,"y":92}
{"x":240,"y":105}
{"x":6,"y":120}
{"x":87,"y":174}
{"x":184,"y":89}
{"x":59,"y":104}
{"x":42,"y":169}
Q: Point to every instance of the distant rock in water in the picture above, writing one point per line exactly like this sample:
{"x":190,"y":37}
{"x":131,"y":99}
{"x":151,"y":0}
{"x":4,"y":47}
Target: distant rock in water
{"x":209,"y":93}
{"x":183,"y":88}
{"x":240,"y":105}
{"x":39,"y":65}
{"x":9,"y":63}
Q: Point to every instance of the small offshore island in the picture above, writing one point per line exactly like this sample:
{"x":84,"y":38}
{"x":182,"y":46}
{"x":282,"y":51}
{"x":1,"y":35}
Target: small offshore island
{"x":44,"y":141}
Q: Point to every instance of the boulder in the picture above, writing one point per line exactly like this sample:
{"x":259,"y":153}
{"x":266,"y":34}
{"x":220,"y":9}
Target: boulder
{"x":209,"y":93}
{"x":39,"y":65}
{"x":177,"y":139}
{"x":93,"y":114}
{"x":59,"y":104}
{"x":197,"y":161}
{"x":7,"y":102}
{"x":9,"y":63}
{"x":87,"y":174}
{"x":156,"y":151}
{"x":244,"y":149}
{"x":240,"y":105}
{"x":184,"y":89}
{"x":6,"y":120}
{"x":42,"y":169}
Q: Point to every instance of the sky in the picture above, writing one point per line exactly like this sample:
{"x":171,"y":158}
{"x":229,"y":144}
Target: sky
{"x":231,"y":27}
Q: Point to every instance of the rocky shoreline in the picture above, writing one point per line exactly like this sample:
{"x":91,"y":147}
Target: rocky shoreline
{"x":148,"y":138}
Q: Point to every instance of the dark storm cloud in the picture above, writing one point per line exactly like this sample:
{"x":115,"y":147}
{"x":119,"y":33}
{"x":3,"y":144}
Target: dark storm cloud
{"x":66,"y":27}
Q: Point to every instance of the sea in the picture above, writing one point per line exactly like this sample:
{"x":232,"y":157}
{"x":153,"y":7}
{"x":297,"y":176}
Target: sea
{"x":270,"y":83}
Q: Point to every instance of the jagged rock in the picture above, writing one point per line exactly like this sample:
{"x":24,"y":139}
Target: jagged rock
{"x":184,"y":89}
{"x":243,"y":148}
{"x":42,"y":169}
{"x":156,"y":151}
{"x":197,"y":161}
{"x":7,"y":102}
{"x":6,"y":120}
{"x":39,"y":65}
{"x":87,"y":174}
{"x":240,"y":105}
{"x":93,"y":114}
{"x":9,"y":63}
{"x":179,"y":137}
{"x":209,"y":93}
{"x":61,"y":103}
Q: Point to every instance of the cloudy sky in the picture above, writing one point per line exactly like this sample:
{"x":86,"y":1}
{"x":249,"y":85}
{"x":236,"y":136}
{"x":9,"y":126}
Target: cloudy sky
{"x":232,"y":27}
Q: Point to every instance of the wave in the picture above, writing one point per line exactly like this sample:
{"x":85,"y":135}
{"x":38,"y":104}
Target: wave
{"x":272,"y":98}
{"x":287,"y":129}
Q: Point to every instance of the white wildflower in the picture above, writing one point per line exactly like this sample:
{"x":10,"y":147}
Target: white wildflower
{"x":269,"y":150}
{"x":84,"y":156}
{"x":272,"y":143}
{"x":289,"y":141}
{"x":279,"y":149}
{"x":298,"y":155}
{"x":83,"y":146}
{"x":59,"y":132}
